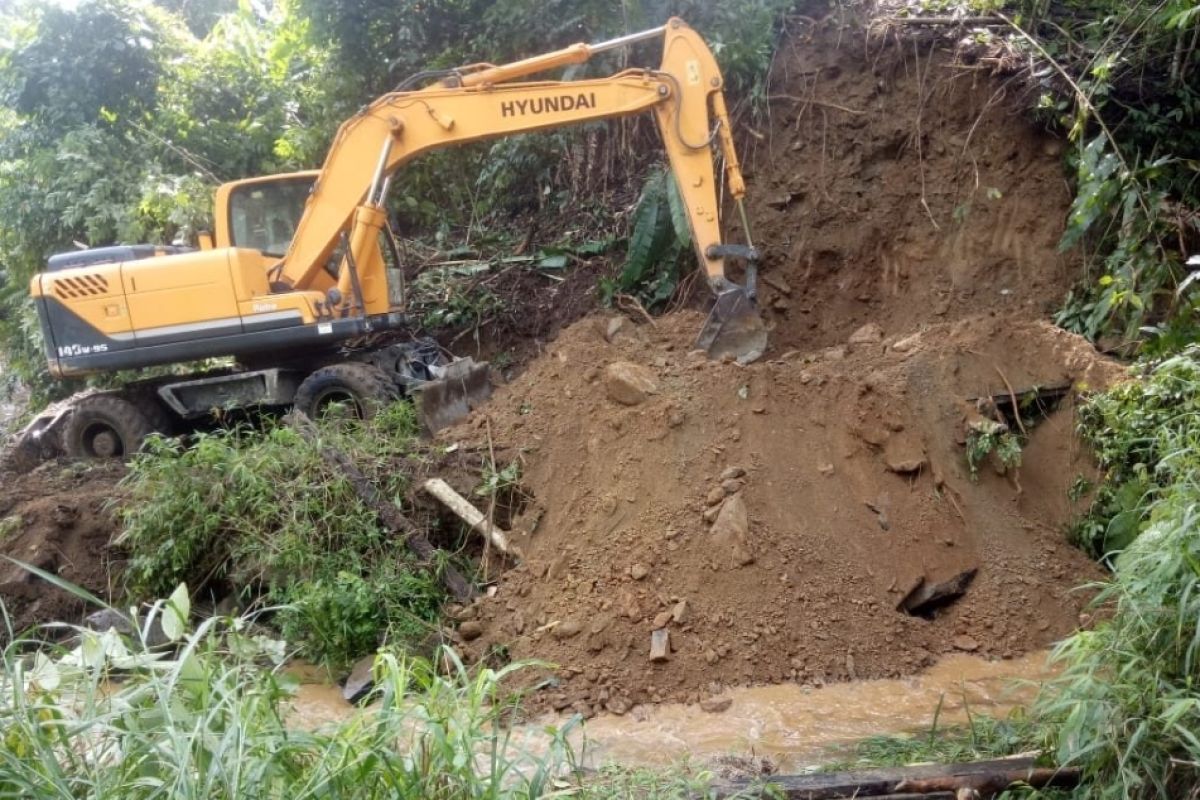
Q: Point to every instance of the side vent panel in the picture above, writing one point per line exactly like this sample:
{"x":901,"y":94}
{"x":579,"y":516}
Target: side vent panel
{"x":80,"y":286}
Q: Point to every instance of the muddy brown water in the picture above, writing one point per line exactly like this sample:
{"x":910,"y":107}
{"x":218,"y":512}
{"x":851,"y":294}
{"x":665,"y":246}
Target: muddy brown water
{"x":793,"y":726}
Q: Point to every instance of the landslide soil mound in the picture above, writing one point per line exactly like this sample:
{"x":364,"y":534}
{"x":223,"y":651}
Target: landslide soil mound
{"x":910,"y":220}
{"x":57,"y":518}
{"x":851,"y":471}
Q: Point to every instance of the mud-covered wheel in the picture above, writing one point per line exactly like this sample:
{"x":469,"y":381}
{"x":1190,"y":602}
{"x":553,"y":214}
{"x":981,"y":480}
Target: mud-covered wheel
{"x":106,"y":426}
{"x":362,"y":388}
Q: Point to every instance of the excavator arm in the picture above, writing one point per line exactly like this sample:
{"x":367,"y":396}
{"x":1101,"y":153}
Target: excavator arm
{"x":482,"y":102}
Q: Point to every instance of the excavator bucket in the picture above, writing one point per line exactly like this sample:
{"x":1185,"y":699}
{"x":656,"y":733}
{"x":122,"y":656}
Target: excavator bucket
{"x":733,"y":328}
{"x":460,"y":387}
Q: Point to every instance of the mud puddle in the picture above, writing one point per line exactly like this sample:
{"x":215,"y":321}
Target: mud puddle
{"x":793,"y":726}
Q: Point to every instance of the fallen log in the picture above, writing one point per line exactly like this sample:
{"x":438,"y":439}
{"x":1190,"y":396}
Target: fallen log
{"x":471,"y":515}
{"x":389,"y":516}
{"x":927,"y":781}
{"x":925,"y":598}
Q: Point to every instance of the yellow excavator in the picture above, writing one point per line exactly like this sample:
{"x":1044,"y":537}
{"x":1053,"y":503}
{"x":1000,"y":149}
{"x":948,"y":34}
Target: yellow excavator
{"x":293,"y":280}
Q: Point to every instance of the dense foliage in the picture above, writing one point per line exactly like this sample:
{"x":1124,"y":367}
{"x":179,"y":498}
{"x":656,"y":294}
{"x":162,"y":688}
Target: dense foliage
{"x":121,"y":116}
{"x":1126,"y":706}
{"x":1143,"y":433}
{"x":1124,"y":81}
{"x":262,"y":514}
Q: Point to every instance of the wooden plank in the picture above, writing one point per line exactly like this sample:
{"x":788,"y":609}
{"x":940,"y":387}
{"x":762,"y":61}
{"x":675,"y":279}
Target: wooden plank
{"x":926,"y":780}
{"x":469,"y":514}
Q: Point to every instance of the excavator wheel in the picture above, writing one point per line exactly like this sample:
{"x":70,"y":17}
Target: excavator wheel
{"x":108,"y":426}
{"x":363,"y":388}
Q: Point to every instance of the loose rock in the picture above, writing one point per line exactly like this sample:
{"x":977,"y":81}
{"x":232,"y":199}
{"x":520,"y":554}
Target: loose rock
{"x":566,"y":629}
{"x":966,"y":644}
{"x":660,"y":645}
{"x":628,"y":383}
{"x":731,"y":531}
{"x":870,"y":333}
{"x":360,"y":680}
{"x":716,"y":705}
{"x":907,"y":344}
{"x":470,"y":630}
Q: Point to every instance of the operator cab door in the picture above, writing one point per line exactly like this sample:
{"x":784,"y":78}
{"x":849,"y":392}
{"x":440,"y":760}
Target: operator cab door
{"x":261,"y":214}
{"x":181,"y":297}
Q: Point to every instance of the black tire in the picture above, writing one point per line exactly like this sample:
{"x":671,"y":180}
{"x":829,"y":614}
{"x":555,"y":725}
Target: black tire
{"x":107,"y":426}
{"x":365,"y":388}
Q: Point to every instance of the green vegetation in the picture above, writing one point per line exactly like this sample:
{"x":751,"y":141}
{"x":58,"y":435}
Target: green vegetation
{"x":988,"y":437}
{"x":1144,"y":433}
{"x":660,"y":246}
{"x":983,"y":737}
{"x":113,"y":718}
{"x":1126,"y":707}
{"x":261,"y":513}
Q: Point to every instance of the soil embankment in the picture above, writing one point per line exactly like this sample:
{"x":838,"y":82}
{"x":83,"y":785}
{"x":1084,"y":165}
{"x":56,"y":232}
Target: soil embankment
{"x":59,"y":518}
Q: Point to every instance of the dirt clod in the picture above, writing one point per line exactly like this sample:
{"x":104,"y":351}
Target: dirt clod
{"x":716,"y":705}
{"x":470,"y":630}
{"x":62,"y":522}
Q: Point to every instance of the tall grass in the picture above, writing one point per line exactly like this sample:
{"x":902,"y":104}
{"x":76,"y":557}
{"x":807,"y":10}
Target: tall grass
{"x":114,"y":718}
{"x":1127,"y":706}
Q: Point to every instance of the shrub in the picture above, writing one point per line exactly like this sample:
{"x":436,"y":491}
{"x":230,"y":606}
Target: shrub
{"x":261,"y":512}
{"x":1143,"y":433}
{"x":1126,"y":707}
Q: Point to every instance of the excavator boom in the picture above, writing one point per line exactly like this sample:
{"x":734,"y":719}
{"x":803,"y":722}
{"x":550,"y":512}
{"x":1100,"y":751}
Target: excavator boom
{"x":483,"y":102}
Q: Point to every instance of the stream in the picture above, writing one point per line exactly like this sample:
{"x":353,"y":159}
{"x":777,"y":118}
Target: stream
{"x":793,"y":726}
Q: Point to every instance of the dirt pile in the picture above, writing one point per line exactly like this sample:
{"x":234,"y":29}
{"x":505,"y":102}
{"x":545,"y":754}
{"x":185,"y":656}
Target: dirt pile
{"x":57,"y":518}
{"x":771,"y":519}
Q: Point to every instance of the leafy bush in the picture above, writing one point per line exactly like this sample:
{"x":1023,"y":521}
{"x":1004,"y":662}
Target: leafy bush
{"x":1125,"y":707}
{"x":263,"y":513}
{"x":987,"y":438}
{"x":114,"y":718}
{"x":1143,"y":433}
{"x":659,"y":246}
{"x":1126,"y":704}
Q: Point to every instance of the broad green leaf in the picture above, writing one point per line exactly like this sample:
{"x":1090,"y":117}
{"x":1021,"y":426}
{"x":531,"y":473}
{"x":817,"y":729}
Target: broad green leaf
{"x":175,"y":614}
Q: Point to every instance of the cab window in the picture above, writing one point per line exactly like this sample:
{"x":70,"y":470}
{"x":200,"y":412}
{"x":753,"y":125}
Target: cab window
{"x":263,"y":216}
